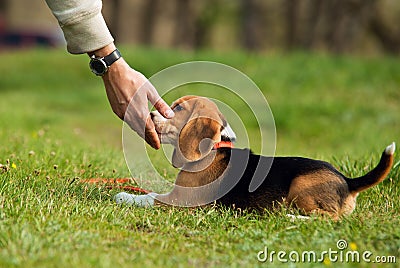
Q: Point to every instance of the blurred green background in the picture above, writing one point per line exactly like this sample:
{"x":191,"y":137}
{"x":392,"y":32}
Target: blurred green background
{"x":322,"y":104}
{"x":352,"y":26}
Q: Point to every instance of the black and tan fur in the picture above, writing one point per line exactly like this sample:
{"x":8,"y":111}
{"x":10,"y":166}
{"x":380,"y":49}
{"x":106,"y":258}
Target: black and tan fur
{"x":312,"y":186}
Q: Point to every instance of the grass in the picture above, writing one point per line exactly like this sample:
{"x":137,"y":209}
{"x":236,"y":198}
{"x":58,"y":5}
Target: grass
{"x":56,"y":128}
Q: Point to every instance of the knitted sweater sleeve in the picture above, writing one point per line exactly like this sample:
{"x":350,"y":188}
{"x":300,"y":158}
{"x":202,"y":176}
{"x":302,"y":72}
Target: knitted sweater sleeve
{"x":82,"y":23}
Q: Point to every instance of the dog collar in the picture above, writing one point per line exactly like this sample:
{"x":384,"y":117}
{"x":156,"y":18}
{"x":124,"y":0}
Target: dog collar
{"x":223,"y":144}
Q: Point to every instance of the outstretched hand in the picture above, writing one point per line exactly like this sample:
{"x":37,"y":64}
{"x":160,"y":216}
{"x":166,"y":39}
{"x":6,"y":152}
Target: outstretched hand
{"x":129,"y":92}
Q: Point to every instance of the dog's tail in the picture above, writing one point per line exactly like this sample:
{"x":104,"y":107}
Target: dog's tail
{"x":376,"y":175}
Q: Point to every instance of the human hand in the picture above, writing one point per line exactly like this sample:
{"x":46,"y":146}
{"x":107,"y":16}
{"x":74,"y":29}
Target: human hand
{"x":129,"y":92}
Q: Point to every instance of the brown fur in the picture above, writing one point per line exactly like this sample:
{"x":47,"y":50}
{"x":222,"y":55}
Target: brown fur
{"x":313,"y":193}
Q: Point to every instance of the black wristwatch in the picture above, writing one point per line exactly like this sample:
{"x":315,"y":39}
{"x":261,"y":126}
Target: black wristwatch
{"x":99,"y":66}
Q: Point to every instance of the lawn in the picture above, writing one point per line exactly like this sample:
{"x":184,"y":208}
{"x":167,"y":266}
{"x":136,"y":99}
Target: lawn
{"x":56,"y":129}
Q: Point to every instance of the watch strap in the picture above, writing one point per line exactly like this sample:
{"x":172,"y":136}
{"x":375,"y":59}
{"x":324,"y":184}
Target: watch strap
{"x":113,"y":57}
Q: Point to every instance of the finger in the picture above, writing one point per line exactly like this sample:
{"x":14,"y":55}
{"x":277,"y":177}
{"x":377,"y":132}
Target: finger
{"x":151,"y":138}
{"x":151,"y":135}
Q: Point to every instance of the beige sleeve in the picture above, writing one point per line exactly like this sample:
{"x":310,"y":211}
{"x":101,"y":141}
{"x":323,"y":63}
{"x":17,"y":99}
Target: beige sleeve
{"x":83,"y":24}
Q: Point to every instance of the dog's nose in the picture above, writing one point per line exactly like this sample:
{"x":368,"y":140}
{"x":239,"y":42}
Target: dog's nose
{"x":154,"y":114}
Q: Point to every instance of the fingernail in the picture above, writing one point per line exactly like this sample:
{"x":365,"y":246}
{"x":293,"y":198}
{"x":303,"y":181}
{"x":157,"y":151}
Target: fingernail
{"x":169,"y":113}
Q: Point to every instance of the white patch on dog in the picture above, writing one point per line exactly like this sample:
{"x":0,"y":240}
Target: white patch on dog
{"x":137,"y":200}
{"x":168,"y":133}
{"x":297,"y":217}
{"x":228,"y":133}
{"x":390,"y":149}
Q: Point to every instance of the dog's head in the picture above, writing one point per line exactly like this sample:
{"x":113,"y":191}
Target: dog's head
{"x":194,"y":130}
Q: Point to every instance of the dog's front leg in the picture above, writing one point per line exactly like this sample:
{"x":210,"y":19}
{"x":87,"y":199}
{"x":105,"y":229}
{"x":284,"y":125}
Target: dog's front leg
{"x":137,"y":200}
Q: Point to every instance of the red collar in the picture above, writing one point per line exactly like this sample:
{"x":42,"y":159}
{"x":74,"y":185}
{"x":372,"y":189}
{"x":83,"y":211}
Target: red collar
{"x":223,"y":144}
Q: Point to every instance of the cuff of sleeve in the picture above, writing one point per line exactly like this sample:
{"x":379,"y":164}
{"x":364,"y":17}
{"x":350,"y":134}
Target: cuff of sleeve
{"x":87,"y":35}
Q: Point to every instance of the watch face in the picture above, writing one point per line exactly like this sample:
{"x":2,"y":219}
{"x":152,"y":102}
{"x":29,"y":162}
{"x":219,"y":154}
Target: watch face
{"x":98,"y":66}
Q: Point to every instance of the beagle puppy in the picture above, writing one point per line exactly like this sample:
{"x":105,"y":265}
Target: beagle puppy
{"x":210,"y":170}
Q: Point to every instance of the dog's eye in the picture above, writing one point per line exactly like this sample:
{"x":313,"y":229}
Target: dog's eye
{"x":178,"y":108}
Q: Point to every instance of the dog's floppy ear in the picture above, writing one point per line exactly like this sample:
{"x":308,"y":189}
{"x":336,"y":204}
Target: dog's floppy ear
{"x":196,"y":140}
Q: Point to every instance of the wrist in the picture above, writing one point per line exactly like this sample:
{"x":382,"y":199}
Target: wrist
{"x":102,"y":52}
{"x":116,"y":68}
{"x":102,"y":59}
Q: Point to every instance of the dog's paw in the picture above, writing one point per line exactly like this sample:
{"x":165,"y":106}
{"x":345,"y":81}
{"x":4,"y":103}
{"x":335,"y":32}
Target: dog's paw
{"x":297,"y":217}
{"x":137,"y":200}
{"x":124,"y":198}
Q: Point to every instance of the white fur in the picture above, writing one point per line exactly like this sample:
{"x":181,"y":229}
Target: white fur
{"x":390,"y":149}
{"x":297,"y":217}
{"x":168,"y":132}
{"x":137,"y":200}
{"x":229,"y":133}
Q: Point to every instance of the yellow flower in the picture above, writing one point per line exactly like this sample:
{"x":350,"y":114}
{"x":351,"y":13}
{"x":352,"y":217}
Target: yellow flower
{"x":353,"y":246}
{"x":327,"y":261}
{"x":13,"y":165}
